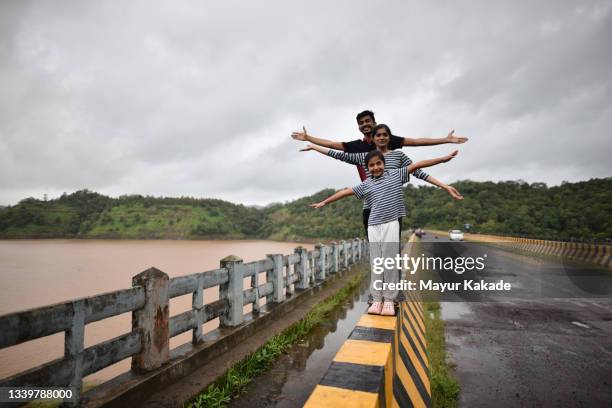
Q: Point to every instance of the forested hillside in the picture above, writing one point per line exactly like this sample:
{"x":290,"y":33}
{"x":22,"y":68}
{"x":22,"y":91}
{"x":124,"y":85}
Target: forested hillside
{"x":573,"y":210}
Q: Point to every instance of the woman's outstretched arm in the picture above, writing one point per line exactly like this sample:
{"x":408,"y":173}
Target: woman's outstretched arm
{"x":352,"y":158}
{"x":431,"y":162}
{"x":334,"y":197}
{"x":322,"y":150}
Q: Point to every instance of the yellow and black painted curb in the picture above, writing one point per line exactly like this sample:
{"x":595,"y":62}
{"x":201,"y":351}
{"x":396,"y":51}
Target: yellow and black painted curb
{"x":383,"y":363}
{"x":593,"y":253}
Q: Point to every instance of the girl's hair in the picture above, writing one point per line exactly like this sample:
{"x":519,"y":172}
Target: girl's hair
{"x":381,"y":126}
{"x":372,"y":154}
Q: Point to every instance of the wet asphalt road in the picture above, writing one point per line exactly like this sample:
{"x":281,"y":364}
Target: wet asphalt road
{"x":546,"y":343}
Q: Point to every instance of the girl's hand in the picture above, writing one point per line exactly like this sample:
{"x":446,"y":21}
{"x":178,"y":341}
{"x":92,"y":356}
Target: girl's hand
{"x":307,"y":148}
{"x":318,"y":205}
{"x":452,"y":191}
{"x":450,"y":156}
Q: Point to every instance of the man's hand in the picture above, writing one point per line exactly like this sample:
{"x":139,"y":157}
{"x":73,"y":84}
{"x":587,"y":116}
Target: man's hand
{"x":303,"y":136}
{"x":318,"y":205}
{"x":451,"y":138}
{"x":450,"y":156}
{"x":452,"y":191}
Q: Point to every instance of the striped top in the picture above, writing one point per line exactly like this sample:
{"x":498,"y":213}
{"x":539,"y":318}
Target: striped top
{"x":385,"y":195}
{"x":394,"y":159}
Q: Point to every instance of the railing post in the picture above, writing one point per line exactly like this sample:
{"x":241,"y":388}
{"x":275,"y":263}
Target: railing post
{"x":232,"y":291}
{"x":302,"y":268}
{"x":74,"y":342}
{"x":152,"y":320}
{"x":346,"y":254}
{"x":197,"y":304}
{"x":276,"y":277}
{"x":255,"y":287}
{"x":335,"y":255}
{"x":360,"y":248}
{"x":322,"y":261}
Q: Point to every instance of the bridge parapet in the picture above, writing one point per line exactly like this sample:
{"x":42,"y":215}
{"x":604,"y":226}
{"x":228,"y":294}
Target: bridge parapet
{"x":152,"y":326}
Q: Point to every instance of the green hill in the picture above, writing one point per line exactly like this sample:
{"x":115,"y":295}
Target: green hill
{"x":580,"y":210}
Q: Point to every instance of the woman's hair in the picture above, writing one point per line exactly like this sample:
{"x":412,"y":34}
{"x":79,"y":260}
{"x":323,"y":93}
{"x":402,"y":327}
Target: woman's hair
{"x":372,"y":154}
{"x":381,"y":126}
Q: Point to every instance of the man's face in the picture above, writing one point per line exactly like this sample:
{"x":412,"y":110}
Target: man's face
{"x":365,"y":125}
{"x":376,"y":166}
{"x":381,"y":138}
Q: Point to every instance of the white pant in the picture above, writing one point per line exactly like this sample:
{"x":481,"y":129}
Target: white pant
{"x":384,"y":243}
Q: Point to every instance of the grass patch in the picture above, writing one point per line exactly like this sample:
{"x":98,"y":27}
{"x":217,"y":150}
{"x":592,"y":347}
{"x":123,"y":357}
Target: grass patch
{"x":239,"y":376}
{"x":444,"y":386}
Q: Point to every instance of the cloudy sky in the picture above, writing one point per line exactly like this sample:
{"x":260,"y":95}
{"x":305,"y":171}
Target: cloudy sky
{"x":199,"y":98}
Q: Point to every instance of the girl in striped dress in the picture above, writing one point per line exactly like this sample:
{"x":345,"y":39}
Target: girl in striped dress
{"x":383,"y":191}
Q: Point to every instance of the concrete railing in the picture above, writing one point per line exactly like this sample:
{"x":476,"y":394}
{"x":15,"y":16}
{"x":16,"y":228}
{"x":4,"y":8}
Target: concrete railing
{"x":152,"y":326}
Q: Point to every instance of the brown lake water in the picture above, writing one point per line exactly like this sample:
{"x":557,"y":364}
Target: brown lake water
{"x":35,"y":273}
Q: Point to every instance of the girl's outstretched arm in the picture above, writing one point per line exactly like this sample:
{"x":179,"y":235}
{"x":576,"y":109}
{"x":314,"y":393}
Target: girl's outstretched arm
{"x":452,"y":191}
{"x":431,"y":162}
{"x":334,"y":197}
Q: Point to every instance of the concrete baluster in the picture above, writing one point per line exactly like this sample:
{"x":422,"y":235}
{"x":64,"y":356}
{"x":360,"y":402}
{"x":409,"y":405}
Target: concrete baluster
{"x":152,"y":320}
{"x":275,"y":276}
{"x":302,"y":268}
{"x":232,"y":291}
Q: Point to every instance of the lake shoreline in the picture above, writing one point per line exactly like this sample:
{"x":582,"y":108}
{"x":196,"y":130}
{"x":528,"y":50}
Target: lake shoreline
{"x":143,"y":238}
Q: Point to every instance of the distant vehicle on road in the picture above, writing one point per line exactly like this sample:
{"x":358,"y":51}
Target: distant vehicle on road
{"x":456,"y":235}
{"x":420,"y":232}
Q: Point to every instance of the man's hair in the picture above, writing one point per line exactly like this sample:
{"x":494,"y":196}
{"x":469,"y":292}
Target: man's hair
{"x":372,"y":154}
{"x":365,"y":113}
{"x":381,"y":126}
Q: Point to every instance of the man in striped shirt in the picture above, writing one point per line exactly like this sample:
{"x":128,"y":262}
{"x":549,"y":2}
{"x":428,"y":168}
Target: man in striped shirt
{"x":385,"y":194}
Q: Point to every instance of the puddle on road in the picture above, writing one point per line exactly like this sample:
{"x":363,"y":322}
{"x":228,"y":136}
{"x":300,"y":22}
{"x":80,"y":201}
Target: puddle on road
{"x":454,"y":310}
{"x":293,"y":376}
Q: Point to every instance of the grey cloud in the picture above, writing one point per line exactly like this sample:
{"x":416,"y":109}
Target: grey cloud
{"x":168,"y":99}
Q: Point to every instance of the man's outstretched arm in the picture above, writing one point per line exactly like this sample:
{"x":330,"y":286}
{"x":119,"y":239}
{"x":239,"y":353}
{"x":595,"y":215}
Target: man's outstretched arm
{"x":304,"y":136}
{"x":450,"y":138}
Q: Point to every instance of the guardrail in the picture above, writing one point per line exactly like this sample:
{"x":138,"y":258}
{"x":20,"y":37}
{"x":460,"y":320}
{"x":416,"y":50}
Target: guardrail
{"x":593,"y":253}
{"x":152,"y":327}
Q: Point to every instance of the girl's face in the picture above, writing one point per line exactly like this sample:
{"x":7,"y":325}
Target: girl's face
{"x":381,"y":138}
{"x":376,"y":166}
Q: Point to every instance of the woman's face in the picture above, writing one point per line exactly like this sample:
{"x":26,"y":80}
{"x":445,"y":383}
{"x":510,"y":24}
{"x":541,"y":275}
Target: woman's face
{"x":381,"y":138}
